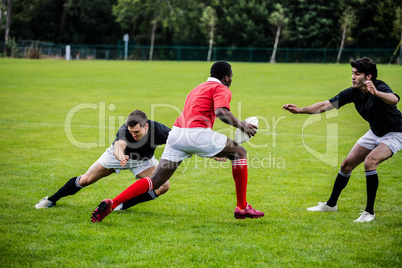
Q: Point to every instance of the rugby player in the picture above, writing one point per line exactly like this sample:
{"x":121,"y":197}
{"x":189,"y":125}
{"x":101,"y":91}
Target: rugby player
{"x":192,"y":134}
{"x":376,"y":103}
{"x":132,"y":149}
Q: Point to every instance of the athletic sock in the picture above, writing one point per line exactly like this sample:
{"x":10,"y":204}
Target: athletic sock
{"x":151,"y":195}
{"x":137,"y":188}
{"x":240,"y":176}
{"x":340,"y":183}
{"x":70,"y":188}
{"x":371,"y":186}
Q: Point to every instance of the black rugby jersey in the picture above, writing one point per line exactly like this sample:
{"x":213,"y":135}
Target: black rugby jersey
{"x":383,"y":118}
{"x":145,"y":148}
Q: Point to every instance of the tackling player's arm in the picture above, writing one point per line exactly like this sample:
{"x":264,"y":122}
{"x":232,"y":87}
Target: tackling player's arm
{"x":319,"y":107}
{"x":227,"y":117}
{"x":388,"y":98}
{"x":118,"y":152}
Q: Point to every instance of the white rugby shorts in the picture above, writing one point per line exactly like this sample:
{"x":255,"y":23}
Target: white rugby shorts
{"x":184,"y":142}
{"x":392,"y":139}
{"x":109,"y":161}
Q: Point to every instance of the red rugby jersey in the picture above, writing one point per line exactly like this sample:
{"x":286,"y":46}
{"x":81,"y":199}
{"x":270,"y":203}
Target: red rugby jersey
{"x":201,"y":103}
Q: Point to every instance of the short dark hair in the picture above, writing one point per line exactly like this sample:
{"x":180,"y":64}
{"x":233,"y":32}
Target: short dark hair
{"x":366,"y":66}
{"x":137,"y":117}
{"x":220,"y":69}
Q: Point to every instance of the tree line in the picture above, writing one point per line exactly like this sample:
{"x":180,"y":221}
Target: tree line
{"x":225,"y":23}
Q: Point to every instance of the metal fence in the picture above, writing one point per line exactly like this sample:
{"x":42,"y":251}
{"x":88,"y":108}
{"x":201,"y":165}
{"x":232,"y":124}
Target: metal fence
{"x":189,"y":53}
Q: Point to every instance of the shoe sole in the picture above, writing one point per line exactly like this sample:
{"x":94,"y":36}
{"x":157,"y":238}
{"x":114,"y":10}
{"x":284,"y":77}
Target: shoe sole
{"x":364,"y":220}
{"x":322,"y":210}
{"x":97,"y":213}
{"x":42,"y":207}
{"x":241,"y":217}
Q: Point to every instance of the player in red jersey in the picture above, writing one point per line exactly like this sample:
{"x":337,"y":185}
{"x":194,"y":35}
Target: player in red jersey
{"x":192,"y":134}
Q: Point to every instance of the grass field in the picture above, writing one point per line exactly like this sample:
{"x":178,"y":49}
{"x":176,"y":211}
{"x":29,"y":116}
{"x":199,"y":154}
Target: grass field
{"x":58,"y":117}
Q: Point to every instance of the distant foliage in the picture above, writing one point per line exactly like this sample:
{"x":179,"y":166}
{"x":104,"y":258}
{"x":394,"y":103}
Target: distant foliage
{"x":242,"y":23}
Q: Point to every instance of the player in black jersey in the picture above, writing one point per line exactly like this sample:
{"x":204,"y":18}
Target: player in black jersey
{"x":376,"y":103}
{"x":132,"y":149}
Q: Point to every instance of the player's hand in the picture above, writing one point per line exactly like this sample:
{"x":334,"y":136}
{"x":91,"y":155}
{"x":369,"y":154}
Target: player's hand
{"x":220,"y":159}
{"x":249,"y":129}
{"x":370,"y":87}
{"x":123,"y":160}
{"x":291,"y":108}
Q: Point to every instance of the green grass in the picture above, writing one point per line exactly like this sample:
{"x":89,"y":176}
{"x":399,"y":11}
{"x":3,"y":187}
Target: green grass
{"x":193,"y":224}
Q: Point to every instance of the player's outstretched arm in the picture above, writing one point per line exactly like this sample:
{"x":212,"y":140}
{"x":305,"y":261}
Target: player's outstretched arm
{"x":227,"y":117}
{"x":118,"y":152}
{"x":319,"y":107}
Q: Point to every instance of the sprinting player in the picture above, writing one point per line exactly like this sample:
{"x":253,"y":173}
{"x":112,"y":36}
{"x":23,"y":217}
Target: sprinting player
{"x":132,"y":149}
{"x":192,"y":134}
{"x":376,"y":103}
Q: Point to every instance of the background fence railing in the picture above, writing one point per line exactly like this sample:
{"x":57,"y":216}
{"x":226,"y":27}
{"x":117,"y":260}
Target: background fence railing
{"x":189,"y":53}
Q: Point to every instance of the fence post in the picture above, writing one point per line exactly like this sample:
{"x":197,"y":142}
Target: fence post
{"x":125,"y":39}
{"x":68,"y":52}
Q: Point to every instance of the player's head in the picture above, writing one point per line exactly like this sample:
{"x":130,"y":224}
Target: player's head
{"x":137,"y":124}
{"x":366,"y":66}
{"x":222,"y":71}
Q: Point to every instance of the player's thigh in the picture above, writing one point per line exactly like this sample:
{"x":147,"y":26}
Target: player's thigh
{"x":355,"y":157}
{"x":94,"y":173}
{"x":147,"y":173}
{"x":381,"y":153}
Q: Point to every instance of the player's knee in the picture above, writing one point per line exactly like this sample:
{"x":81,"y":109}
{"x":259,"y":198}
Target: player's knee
{"x":84,"y":180}
{"x":241,"y":152}
{"x":370,"y":163}
{"x":346,"y":167}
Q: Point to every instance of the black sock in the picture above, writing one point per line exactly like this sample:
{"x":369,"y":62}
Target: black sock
{"x":371,"y":186}
{"x":151,"y":195}
{"x":340,"y":183}
{"x":71,"y":187}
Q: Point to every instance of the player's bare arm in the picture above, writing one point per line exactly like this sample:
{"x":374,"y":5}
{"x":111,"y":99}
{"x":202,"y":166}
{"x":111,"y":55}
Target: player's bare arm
{"x":388,"y":98}
{"x":118,"y":152}
{"x":227,"y":117}
{"x":319,"y":107}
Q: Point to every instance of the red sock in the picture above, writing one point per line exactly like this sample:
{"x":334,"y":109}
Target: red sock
{"x":239,"y":171}
{"x":137,"y":188}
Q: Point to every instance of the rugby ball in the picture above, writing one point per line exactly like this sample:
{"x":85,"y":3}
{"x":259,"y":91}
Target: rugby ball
{"x":240,"y":136}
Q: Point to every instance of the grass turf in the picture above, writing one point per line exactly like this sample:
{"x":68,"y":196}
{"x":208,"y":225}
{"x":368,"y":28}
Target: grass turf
{"x":193,"y":224}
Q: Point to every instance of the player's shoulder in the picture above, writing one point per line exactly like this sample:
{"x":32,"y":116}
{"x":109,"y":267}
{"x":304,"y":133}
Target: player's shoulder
{"x":222,"y":88}
{"x":153,"y":124}
{"x":211,"y":85}
{"x":123,"y":127}
{"x":347,"y":92}
{"x":156,"y":125}
{"x":382,"y":86}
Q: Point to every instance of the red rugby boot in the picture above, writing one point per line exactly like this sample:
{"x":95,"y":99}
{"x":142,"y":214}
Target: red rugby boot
{"x":248,"y":212}
{"x":104,"y":209}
